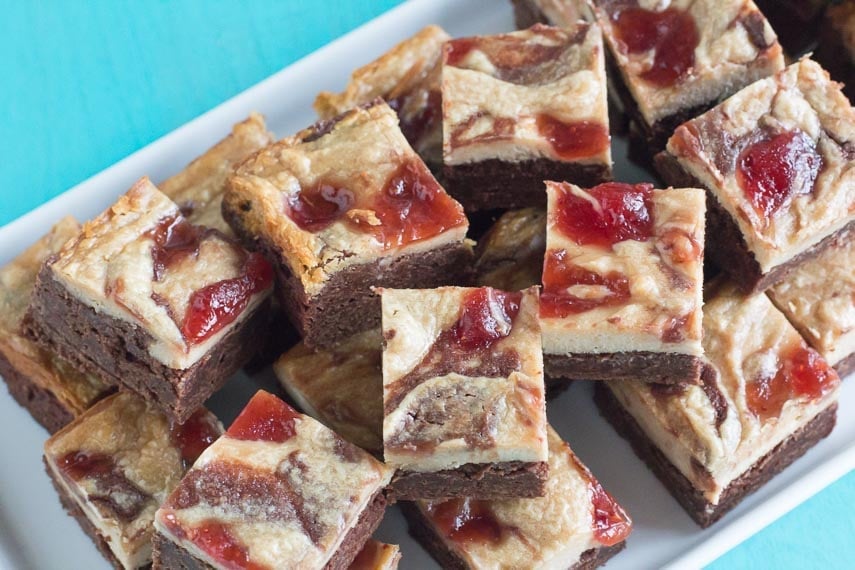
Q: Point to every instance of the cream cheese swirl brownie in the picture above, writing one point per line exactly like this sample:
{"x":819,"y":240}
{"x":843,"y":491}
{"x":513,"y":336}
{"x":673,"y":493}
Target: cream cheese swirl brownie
{"x":408,"y":78}
{"x":777,"y":161}
{"x":463,"y":393}
{"x":116,"y":463}
{"x":342,"y":206}
{"x":510,"y":255}
{"x":341,"y":386}
{"x":576,"y":524}
{"x":145,"y":300}
{"x":521,"y":108}
{"x":50,"y":389}
{"x":560,"y":13}
{"x":622,"y":283}
{"x":674,"y":60}
{"x":198,"y":189}
{"x":766,"y":398}
{"x":819,"y":300}
{"x":278,"y":490}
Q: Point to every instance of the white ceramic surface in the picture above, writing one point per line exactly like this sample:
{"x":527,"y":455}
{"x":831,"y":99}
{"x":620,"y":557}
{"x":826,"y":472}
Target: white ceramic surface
{"x":36,"y":534}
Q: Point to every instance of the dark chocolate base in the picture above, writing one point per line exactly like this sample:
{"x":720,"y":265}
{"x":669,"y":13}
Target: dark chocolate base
{"x":655,"y":367}
{"x":75,"y":511}
{"x":117,"y":351}
{"x":725,"y":244}
{"x":169,"y":556}
{"x":493,"y":183}
{"x":690,"y":498}
{"x":846,"y":366}
{"x":42,"y":404}
{"x":425,"y":534}
{"x":485,"y":481}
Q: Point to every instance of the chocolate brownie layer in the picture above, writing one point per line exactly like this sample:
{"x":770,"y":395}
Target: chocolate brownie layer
{"x":845,"y":366}
{"x":692,"y":500}
{"x":725,"y":244}
{"x":495,"y":183}
{"x":486,"y":481}
{"x":170,"y":556}
{"x":426,"y":535}
{"x":74,"y":510}
{"x":42,"y":404}
{"x":657,"y":367}
{"x":117,"y":351}
{"x":346,"y":305}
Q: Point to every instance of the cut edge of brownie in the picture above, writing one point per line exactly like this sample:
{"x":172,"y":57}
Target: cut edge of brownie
{"x":729,"y":249}
{"x":170,"y":556}
{"x":494,"y":183}
{"x":427,"y":536}
{"x":687,"y":495}
{"x":644,"y":366}
{"x":845,"y":366}
{"x":117,"y":351}
{"x":483,"y":481}
{"x":42,"y":404}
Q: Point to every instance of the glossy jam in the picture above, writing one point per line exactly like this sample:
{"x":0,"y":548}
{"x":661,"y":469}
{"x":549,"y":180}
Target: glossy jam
{"x":572,"y":141}
{"x":213,"y":307}
{"x":466,"y":521}
{"x":194,"y":435}
{"x":79,"y":465}
{"x":487,"y":316}
{"x":215,"y":540}
{"x":457,"y":50}
{"x":802,"y":373}
{"x":265,"y":418}
{"x":412,"y":206}
{"x":774,"y":171}
{"x":671,"y":33}
{"x":316,"y":207}
{"x":559,"y":274}
{"x":174,"y":239}
{"x":369,"y":557}
{"x":622,"y":212}
{"x":611,"y":524}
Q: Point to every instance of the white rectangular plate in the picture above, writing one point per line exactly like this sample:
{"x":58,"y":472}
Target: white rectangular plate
{"x":36,"y":533}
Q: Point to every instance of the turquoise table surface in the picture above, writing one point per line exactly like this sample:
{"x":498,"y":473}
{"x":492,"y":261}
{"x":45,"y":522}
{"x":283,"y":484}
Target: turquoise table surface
{"x":85,"y":83}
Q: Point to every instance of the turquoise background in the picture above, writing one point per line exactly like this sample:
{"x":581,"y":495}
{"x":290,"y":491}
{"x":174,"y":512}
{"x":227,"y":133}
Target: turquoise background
{"x":84,"y":84}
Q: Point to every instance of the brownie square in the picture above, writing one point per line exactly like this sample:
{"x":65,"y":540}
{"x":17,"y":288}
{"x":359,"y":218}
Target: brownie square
{"x":622,"y":282}
{"x":277,"y":490}
{"x":343,"y":206}
{"x":463,"y":393}
{"x":46,"y":386}
{"x":520,"y":108}
{"x":765,"y":399}
{"x":145,"y":300}
{"x":776,"y":161}
{"x":340,"y":386}
{"x":407,"y":77}
{"x":576,"y":524}
{"x":198,"y":189}
{"x":113,"y":466}
{"x":674,"y":61}
{"x":560,"y":13}
{"x":510,"y":255}
{"x":818,"y":298}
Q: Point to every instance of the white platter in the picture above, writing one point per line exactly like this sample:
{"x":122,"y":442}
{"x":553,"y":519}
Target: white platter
{"x":36,"y":534}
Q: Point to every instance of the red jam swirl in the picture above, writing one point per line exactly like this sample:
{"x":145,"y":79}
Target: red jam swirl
{"x":611,"y":523}
{"x":774,"y":171}
{"x":671,"y":33}
{"x":174,"y":239}
{"x":619,"y":212}
{"x":575,"y":140}
{"x":317,"y":207}
{"x":456,"y":50}
{"x":217,"y":541}
{"x":487,"y":316}
{"x":79,"y":465}
{"x":265,"y":418}
{"x":466,"y":521}
{"x":194,"y":435}
{"x":801,"y":373}
{"x":559,"y":275}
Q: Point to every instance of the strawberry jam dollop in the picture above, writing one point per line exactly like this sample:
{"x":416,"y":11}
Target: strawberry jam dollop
{"x":174,"y":239}
{"x":194,"y":436}
{"x":773,"y":171}
{"x":611,"y":524}
{"x":456,"y":50}
{"x":672,"y":34}
{"x":487,"y":316}
{"x":317,"y":207}
{"x":575,"y":140}
{"x":606,"y":214}
{"x":265,"y":418}
{"x":79,"y":465}
{"x":559,"y":275}
{"x":801,"y":373}
{"x":216,"y":305}
{"x":217,"y":541}
{"x":466,"y":521}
